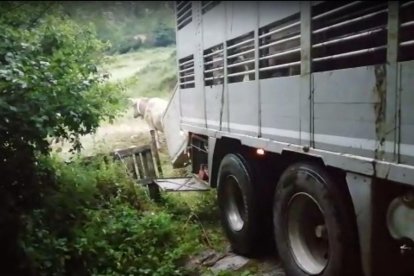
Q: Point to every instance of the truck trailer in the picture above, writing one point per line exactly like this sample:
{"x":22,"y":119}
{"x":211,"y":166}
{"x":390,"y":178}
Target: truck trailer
{"x":301,"y":115}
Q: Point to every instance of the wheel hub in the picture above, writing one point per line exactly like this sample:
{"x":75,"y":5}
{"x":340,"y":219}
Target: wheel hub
{"x":308,"y":235}
{"x":234,"y":207}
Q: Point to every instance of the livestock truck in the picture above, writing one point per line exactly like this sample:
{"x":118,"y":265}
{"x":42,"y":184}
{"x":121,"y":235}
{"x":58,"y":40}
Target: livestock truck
{"x":301,"y":115}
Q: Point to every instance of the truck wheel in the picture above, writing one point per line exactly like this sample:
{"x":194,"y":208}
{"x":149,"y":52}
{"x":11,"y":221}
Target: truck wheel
{"x":238,"y":203}
{"x":314,"y":232}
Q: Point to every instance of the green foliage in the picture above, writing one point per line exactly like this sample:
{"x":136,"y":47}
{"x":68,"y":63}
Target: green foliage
{"x":127,"y":25}
{"x":95,"y":221}
{"x":164,"y":36}
{"x":49,"y":87}
{"x":49,"y":81}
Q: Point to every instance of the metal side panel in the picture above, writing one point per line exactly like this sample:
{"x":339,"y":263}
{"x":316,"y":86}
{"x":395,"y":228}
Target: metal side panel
{"x":214,"y":26}
{"x":241,"y":17}
{"x":406,"y":147}
{"x":346,"y":113}
{"x":192,"y":106}
{"x":243,"y":108}
{"x":175,"y":137}
{"x":185,"y":35}
{"x":280,"y":109}
{"x":214,"y":96}
{"x":271,"y":11}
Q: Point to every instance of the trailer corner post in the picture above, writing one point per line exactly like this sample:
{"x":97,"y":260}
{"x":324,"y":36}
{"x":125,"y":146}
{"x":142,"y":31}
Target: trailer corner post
{"x":306,"y":95}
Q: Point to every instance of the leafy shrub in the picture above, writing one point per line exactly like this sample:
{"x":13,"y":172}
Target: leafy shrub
{"x":49,"y":87}
{"x":96,"y":221}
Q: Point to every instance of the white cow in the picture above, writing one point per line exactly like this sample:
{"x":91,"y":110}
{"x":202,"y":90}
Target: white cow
{"x":151,"y":110}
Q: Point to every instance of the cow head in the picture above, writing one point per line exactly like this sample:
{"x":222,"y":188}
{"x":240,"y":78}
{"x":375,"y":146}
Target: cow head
{"x":139,"y":106}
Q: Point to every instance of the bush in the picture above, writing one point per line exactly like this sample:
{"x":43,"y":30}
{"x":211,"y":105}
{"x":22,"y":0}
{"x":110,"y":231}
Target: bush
{"x":96,"y":221}
{"x":49,"y":87}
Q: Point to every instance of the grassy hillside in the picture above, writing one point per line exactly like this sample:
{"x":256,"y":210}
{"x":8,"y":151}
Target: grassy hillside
{"x":127,"y":25}
{"x":157,"y":78}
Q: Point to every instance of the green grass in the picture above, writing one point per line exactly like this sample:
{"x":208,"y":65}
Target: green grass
{"x":156,"y":79}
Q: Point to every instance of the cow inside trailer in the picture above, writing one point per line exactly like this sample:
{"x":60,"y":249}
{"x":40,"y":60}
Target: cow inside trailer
{"x":302,"y":114}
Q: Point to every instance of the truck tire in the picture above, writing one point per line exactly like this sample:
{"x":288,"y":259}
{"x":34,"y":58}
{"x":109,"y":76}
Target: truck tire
{"x":241,"y":213}
{"x":314,"y":231}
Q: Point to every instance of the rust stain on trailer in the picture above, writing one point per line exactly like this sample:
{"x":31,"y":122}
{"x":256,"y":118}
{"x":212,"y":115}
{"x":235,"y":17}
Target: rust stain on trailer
{"x":380,"y":92}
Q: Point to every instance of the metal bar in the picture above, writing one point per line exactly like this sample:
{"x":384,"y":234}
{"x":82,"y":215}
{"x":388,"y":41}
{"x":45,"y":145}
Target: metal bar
{"x":187,"y":69}
{"x":206,"y":4}
{"x":184,"y":22}
{"x":186,"y":62}
{"x":187,"y":82}
{"x":242,"y":53}
{"x":349,"y":21}
{"x":280,"y":29}
{"x":183,"y":15}
{"x":213,"y":78}
{"x":350,"y":54}
{"x":280,"y":54}
{"x":240,"y":43}
{"x":210,"y":62}
{"x":407,"y":43}
{"x":367,"y":33}
{"x":336,"y":10}
{"x":407,"y":24}
{"x":186,"y":76}
{"x":240,"y":63}
{"x":279,"y":42}
{"x":214,"y":69}
{"x":240,"y":73}
{"x":279,"y":66}
{"x":181,"y":3}
{"x":406,"y":4}
{"x":183,"y":8}
{"x":213,"y":53}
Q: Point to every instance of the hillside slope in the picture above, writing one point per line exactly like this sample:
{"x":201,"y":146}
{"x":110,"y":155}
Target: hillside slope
{"x":149,"y":72}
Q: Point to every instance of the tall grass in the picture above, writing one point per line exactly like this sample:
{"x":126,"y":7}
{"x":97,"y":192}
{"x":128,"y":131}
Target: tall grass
{"x":157,"y":78}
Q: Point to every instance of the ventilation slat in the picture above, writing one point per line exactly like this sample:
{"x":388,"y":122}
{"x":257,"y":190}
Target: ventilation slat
{"x":208,"y":5}
{"x":240,"y":58}
{"x":336,"y":10}
{"x":214,"y":78}
{"x":212,"y":61}
{"x":280,"y":54}
{"x":240,"y":63}
{"x":183,"y":14}
{"x":214,"y":69}
{"x":213,"y":65}
{"x":351,"y":37}
{"x":279,"y":48}
{"x":240,"y":44}
{"x":406,"y":31}
{"x":240,"y":73}
{"x":186,"y":72}
{"x":279,"y":42}
{"x":347,"y":22}
{"x":279,"y":30}
{"x":407,"y":43}
{"x":242,"y":53}
{"x":287,"y":65}
{"x":346,"y":35}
